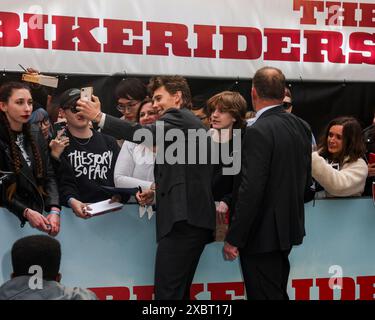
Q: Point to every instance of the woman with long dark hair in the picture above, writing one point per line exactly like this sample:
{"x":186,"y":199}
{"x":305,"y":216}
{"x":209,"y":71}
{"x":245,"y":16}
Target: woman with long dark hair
{"x":338,"y":165}
{"x":30,"y":187}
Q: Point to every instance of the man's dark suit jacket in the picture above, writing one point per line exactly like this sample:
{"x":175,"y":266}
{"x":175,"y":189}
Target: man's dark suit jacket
{"x":276,"y":171}
{"x":183,"y":191}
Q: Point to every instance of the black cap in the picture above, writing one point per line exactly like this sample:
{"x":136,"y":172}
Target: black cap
{"x":69,"y":97}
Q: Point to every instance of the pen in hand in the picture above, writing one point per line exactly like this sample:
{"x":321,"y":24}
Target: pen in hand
{"x":22,"y":67}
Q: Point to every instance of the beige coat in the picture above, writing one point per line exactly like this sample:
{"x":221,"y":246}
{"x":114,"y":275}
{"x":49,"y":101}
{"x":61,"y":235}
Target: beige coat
{"x":349,"y":181}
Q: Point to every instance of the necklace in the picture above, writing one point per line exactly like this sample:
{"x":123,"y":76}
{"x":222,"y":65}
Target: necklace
{"x":80,"y":143}
{"x":20,"y":142}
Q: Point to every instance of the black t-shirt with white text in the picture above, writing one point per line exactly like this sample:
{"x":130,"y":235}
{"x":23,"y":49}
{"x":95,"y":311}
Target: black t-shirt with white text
{"x":86,"y":165}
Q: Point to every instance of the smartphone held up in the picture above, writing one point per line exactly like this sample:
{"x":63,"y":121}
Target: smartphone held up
{"x":86,"y":93}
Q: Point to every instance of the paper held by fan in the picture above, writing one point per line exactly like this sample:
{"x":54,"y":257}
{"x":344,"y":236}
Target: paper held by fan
{"x":41,"y":79}
{"x":102,"y":207}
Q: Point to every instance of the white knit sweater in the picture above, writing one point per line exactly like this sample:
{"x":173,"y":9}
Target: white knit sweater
{"x":348,"y":181}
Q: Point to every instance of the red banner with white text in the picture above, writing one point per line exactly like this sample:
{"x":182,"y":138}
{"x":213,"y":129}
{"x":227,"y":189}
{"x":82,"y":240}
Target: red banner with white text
{"x":307,"y":39}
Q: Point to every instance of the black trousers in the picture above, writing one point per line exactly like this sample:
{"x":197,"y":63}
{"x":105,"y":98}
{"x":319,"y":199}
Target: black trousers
{"x":177,"y":258}
{"x":265,"y":275}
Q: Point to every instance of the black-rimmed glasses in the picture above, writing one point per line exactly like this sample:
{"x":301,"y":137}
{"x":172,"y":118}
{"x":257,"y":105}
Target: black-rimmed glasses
{"x":127,"y":106}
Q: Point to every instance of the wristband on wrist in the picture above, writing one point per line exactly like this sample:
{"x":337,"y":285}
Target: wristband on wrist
{"x":55,"y":212}
{"x":70,"y":201}
{"x":96,"y":120}
{"x":25,"y":212}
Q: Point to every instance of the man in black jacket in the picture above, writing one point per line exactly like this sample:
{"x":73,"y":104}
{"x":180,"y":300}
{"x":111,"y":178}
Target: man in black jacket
{"x":185,"y":217}
{"x":269,"y":212}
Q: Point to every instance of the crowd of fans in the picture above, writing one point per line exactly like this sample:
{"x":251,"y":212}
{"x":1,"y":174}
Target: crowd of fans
{"x":340,"y":162}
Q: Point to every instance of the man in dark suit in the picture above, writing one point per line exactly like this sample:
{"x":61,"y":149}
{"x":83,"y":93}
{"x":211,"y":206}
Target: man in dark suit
{"x":268,"y":218}
{"x":185,"y":217}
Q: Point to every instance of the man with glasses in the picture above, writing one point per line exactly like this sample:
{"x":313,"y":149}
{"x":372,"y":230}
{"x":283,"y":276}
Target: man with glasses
{"x":130,"y":93}
{"x":88,"y":160}
{"x":287,"y":102}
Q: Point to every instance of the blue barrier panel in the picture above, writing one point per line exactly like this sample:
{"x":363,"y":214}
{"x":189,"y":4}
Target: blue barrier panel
{"x":114,"y":254}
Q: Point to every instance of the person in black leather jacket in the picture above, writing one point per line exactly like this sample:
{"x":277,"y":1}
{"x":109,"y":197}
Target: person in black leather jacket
{"x":28,"y":186}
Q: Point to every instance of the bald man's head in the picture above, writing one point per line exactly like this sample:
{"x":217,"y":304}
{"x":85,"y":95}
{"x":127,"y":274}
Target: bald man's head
{"x":269,"y":83}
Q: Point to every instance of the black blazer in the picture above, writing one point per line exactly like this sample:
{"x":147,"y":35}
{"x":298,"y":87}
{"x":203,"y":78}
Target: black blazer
{"x":183,"y":191}
{"x":276,"y":171}
{"x":27,"y":194}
